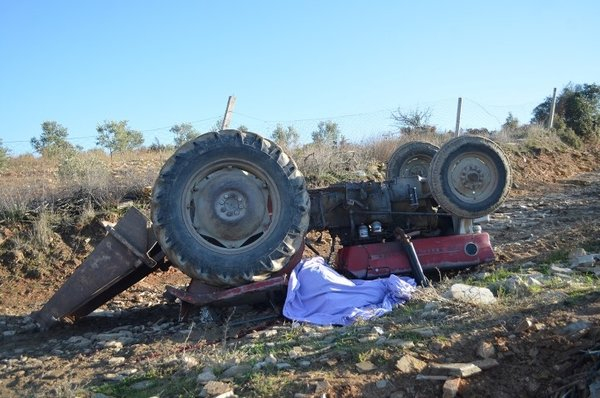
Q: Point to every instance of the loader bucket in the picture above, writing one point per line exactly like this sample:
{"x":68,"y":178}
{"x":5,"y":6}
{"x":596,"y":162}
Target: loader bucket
{"x":125,"y":256}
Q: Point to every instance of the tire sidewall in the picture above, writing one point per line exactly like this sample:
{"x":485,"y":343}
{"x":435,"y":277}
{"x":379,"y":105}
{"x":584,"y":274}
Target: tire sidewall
{"x":406,"y":152}
{"x":184,"y":248}
{"x":440,"y":179}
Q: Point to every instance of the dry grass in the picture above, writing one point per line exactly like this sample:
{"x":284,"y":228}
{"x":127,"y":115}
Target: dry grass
{"x":28,"y":182}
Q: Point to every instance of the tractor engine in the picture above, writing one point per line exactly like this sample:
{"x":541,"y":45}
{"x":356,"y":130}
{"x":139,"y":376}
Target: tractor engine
{"x":369,"y":212}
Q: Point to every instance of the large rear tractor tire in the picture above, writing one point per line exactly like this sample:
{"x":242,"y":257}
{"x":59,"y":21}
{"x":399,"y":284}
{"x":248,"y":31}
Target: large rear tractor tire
{"x":470,"y":176}
{"x":229,"y":208}
{"x":411,"y":159}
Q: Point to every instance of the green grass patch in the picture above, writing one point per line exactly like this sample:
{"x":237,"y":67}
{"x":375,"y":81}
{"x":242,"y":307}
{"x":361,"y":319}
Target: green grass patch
{"x":151,"y":384}
{"x":269,"y":385}
{"x":557,"y":256}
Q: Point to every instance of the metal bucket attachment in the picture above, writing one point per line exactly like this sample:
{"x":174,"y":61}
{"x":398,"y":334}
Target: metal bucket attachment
{"x":125,"y":256}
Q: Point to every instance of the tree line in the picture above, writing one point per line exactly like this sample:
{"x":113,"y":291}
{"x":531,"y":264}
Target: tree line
{"x":576,"y":120}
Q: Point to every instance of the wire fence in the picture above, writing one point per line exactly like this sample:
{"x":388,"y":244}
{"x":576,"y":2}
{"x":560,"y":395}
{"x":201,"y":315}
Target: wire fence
{"x":358,"y":127}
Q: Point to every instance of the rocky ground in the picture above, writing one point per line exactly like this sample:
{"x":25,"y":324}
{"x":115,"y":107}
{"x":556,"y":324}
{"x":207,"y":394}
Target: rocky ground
{"x":538,"y":336}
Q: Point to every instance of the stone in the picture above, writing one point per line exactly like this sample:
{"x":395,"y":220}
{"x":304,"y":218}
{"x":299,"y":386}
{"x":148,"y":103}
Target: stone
{"x":304,"y":364}
{"x":485,"y":349}
{"x":79,"y":342}
{"x":113,"y":377}
{"x":283,"y":365}
{"x":455,"y":369}
{"x":189,"y":361}
{"x":378,"y":330}
{"x":584,"y":261}
{"x":525,"y":325}
{"x":236,"y":371}
{"x":365,"y":366}
{"x":426,"y":332}
{"x":116,"y":361}
{"x":532,"y":281}
{"x":576,"y":329}
{"x":381,"y":384}
{"x":321,"y":387}
{"x":8,"y":333}
{"x":398,"y":394}
{"x":560,"y":270}
{"x":206,"y":376}
{"x":128,"y":372}
{"x":399,"y":343}
{"x":410,"y":364}
{"x":516,"y":286}
{"x":485,"y":364}
{"x":368,"y":338}
{"x":217,"y":389}
{"x":142,"y":385}
{"x":295,"y":352}
{"x":113,"y":344}
{"x":431,"y":377}
{"x":450,"y":388}
{"x":271,"y":359}
{"x":259,"y":365}
{"x":470,"y":294}
{"x":270,"y":333}
{"x":577,"y":252}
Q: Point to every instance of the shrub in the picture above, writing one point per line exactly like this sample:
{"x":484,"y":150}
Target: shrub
{"x":85,"y":171}
{"x":569,"y":137}
{"x":3,"y":156}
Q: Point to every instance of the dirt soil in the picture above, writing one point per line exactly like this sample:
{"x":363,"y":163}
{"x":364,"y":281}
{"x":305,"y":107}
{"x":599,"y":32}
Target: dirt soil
{"x":554,"y":206}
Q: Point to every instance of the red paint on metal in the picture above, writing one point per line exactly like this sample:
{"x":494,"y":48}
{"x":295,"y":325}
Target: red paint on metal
{"x":201,"y":294}
{"x":382,"y":259}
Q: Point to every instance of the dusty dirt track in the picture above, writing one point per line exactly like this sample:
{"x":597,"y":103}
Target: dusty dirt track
{"x":551,"y":208}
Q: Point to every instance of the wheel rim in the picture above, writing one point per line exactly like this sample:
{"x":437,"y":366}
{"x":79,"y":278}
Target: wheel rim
{"x":231,"y":206}
{"x":416,"y":166}
{"x":473,"y":177}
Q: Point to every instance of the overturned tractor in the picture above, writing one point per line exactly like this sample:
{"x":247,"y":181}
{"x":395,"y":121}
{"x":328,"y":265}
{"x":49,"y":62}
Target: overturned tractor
{"x":231,"y":210}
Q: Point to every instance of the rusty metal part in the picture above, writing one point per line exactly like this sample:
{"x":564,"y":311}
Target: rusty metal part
{"x":125,"y":256}
{"x":201,"y":294}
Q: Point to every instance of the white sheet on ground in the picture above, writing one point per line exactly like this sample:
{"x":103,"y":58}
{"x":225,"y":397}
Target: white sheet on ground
{"x":318,"y":294}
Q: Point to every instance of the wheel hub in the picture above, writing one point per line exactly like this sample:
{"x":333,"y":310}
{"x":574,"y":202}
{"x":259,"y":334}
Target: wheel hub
{"x":229,"y":207}
{"x":472,"y":177}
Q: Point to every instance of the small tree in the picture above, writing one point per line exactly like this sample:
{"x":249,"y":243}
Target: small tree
{"x":243,"y":128}
{"x":118,"y":136}
{"x":217,"y":125}
{"x":327,"y":133}
{"x":511,"y":123}
{"x":3,"y":155}
{"x":577,"y":108}
{"x":184,"y":132}
{"x":286,"y":137}
{"x":52,"y":141}
{"x":413,"y":122}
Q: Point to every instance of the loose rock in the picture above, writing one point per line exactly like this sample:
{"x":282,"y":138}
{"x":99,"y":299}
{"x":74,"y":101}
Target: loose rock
{"x":455,"y":369}
{"x":485,"y":349}
{"x":410,"y":364}
{"x":365,"y":366}
{"x":217,"y":389}
{"x":470,"y":294}
{"x":451,"y":388}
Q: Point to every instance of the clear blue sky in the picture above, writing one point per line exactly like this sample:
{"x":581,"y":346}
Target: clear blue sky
{"x":158,"y":63}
